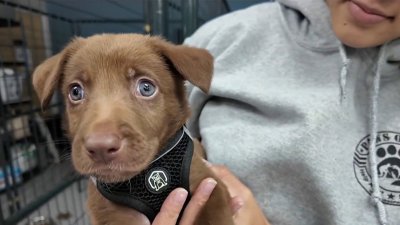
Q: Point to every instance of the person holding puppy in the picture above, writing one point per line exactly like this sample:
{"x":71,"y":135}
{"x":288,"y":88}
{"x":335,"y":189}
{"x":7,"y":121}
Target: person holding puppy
{"x":299,"y":89}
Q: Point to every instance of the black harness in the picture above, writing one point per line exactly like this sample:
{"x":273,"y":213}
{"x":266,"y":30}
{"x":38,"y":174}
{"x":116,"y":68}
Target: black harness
{"x":147,"y":191}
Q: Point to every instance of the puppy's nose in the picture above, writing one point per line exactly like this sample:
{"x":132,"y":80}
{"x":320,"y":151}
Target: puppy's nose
{"x":102,"y":147}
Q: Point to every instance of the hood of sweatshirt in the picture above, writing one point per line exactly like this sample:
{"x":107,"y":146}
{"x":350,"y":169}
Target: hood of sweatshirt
{"x":309,"y":23}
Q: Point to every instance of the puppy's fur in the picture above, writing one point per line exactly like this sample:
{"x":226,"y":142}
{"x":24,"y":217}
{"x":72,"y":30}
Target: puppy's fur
{"x":109,"y":69}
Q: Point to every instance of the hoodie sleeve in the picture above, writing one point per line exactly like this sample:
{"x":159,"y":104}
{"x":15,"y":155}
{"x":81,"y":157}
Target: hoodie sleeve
{"x":221,"y":37}
{"x":213,"y":36}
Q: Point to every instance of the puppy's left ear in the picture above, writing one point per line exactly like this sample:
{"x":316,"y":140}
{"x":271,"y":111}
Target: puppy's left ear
{"x":193,"y":64}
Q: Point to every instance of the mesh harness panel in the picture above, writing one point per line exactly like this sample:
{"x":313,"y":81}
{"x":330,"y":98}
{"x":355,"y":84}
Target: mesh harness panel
{"x":147,"y":191}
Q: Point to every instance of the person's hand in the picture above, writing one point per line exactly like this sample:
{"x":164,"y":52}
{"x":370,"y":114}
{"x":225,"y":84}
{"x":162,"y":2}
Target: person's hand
{"x":244,"y":205}
{"x":173,"y":205}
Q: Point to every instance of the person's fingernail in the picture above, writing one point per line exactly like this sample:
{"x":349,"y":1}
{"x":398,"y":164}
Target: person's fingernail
{"x":237,"y":204}
{"x":209,"y":186}
{"x":208,"y":164}
{"x":180,"y":196}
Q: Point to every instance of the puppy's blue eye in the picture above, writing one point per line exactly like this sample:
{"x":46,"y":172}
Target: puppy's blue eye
{"x":146,"y":88}
{"x":76,"y":93}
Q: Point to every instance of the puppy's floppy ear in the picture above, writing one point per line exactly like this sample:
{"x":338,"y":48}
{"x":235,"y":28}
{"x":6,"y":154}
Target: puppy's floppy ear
{"x":193,"y":64}
{"x":47,"y":75}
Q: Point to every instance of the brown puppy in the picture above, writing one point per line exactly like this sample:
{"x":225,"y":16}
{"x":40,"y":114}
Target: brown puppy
{"x":125,"y":98}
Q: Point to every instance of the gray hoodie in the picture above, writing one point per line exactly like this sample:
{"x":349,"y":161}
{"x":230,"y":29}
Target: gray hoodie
{"x":291,"y":112}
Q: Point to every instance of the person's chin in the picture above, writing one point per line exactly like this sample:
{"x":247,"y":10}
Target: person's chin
{"x":355,"y":38}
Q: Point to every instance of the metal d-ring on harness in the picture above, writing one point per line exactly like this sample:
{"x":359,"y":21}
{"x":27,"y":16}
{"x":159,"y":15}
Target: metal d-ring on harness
{"x":147,"y":191}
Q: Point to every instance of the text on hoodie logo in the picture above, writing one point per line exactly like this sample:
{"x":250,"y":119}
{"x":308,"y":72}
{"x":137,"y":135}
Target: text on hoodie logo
{"x":387,"y":153}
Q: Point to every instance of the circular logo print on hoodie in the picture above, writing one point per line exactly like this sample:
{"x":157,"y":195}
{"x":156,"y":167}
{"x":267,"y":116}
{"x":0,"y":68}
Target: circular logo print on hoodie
{"x":387,"y":153}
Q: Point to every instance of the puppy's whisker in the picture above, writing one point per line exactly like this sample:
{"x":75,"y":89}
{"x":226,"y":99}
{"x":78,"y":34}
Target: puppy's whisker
{"x":53,"y":142}
{"x":65,"y":157}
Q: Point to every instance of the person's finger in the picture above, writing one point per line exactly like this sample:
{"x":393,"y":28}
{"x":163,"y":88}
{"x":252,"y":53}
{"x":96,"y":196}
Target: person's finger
{"x":171,"y":208}
{"x":225,"y":175}
{"x":236,"y":204}
{"x":234,"y":185}
{"x":243,"y":204}
{"x":199,"y":199}
{"x":239,"y":192}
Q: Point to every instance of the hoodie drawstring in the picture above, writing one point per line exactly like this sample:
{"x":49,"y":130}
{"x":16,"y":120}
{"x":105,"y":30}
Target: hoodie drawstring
{"x":376,"y":195}
{"x":373,"y":123}
{"x":343,"y":72}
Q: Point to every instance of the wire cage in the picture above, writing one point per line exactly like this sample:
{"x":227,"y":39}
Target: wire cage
{"x":37,"y":182}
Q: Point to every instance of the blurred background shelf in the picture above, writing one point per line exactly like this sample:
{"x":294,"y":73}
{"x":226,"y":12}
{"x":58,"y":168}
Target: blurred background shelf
{"x":6,"y":22}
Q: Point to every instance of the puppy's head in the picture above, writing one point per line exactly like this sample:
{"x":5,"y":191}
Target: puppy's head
{"x":124,"y":97}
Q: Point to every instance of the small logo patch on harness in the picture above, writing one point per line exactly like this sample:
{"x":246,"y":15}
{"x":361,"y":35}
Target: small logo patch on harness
{"x":157,"y":180}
